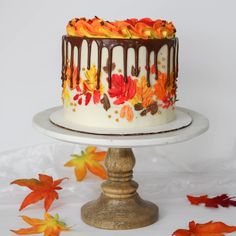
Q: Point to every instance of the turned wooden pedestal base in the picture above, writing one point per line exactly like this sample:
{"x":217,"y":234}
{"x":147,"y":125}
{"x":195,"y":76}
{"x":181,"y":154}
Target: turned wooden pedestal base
{"x":119,"y":206}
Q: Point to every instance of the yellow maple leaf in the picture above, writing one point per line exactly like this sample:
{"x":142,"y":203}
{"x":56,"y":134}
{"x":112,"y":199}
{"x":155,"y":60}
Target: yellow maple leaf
{"x":88,"y":160}
{"x":50,"y":226}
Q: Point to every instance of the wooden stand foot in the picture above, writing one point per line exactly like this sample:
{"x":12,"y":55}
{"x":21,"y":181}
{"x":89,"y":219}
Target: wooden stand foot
{"x":119,"y":207}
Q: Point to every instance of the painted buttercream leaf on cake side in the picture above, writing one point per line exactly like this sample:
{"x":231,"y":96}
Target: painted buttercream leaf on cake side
{"x":71,"y":84}
{"x":120,"y":90}
{"x":44,"y":188}
{"x":106,"y":103}
{"x":127,"y":112}
{"x":208,"y":229}
{"x":144,"y":94}
{"x":88,"y":160}
{"x":222,"y":200}
{"x":113,"y":66}
{"x":49,"y":226}
{"x":164,"y":92}
{"x":65,"y":94}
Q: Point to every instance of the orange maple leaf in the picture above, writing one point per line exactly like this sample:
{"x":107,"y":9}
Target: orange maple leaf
{"x":44,"y":188}
{"x":208,"y":229}
{"x":88,"y":160}
{"x":50,"y":226}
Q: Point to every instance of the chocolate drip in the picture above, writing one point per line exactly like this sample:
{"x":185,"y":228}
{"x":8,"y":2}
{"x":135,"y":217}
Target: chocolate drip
{"x":177,"y":58}
{"x":155,"y":64}
{"x":109,"y":64}
{"x":174,"y":60}
{"x":136,"y":51}
{"x":63,"y":59}
{"x":66,"y":50}
{"x":71,"y":65}
{"x":78,"y":63}
{"x":151,"y":45}
{"x":99,"y":44}
{"x":125,"y":50}
{"x":89,"y":53}
{"x":168,"y":65}
{"x":148,"y":67}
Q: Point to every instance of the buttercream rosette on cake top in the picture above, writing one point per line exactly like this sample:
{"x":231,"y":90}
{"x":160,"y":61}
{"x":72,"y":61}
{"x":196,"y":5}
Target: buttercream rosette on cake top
{"x":119,"y":74}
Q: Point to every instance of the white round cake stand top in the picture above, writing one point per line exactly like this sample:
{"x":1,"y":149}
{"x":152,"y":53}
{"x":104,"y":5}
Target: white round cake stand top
{"x":198,"y":126}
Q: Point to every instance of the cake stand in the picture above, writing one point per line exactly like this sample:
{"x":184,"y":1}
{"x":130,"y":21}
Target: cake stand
{"x":119,"y":205}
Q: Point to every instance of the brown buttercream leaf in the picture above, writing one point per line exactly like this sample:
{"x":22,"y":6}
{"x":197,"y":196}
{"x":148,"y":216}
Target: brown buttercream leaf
{"x":113,"y":66}
{"x":106,"y":103}
{"x":152,"y":108}
{"x":143,"y":113}
{"x":138,"y":107}
{"x":134,"y":71}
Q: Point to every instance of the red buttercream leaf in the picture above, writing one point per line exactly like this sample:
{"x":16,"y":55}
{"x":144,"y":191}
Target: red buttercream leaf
{"x":121,"y":90}
{"x":44,"y":188}
{"x":96,"y":96}
{"x":76,"y":97}
{"x":153,"y":69}
{"x":87,"y":98}
{"x":222,"y":200}
{"x":78,"y":88}
{"x":80,"y":101}
{"x":208,"y":229}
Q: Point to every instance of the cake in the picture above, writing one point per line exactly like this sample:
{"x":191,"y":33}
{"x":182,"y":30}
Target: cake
{"x":119,"y":75}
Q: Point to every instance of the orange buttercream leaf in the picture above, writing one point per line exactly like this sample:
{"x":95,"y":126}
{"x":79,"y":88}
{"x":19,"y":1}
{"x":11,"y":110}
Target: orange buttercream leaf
{"x":88,"y":160}
{"x":144,"y":94}
{"x":44,"y":188}
{"x":127,"y":112}
{"x":208,"y":229}
{"x":159,"y":86}
{"x":50,"y":226}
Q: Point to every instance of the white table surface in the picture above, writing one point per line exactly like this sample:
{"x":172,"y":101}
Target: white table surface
{"x":160,"y":181}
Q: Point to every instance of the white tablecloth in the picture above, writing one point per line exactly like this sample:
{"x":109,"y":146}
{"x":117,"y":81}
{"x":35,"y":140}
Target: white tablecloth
{"x":161,"y":181}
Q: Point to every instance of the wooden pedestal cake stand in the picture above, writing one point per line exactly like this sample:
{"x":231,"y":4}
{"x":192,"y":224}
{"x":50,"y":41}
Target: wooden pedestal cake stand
{"x":119,"y":205}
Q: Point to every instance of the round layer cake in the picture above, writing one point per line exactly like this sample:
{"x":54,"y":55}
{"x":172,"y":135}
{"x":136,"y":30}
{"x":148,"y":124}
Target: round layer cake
{"x":119,"y":74}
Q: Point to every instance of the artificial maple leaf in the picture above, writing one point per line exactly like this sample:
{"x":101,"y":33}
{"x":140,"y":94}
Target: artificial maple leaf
{"x":208,"y":229}
{"x":50,"y":226}
{"x":222,"y":200}
{"x":44,"y":188}
{"x":88,"y":160}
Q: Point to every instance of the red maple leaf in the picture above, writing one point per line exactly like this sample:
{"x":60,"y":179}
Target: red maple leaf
{"x":222,"y":200}
{"x":121,"y":90}
{"x":208,"y":229}
{"x":44,"y":188}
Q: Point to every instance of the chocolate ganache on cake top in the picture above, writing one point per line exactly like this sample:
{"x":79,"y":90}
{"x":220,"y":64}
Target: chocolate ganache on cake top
{"x":119,"y":74}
